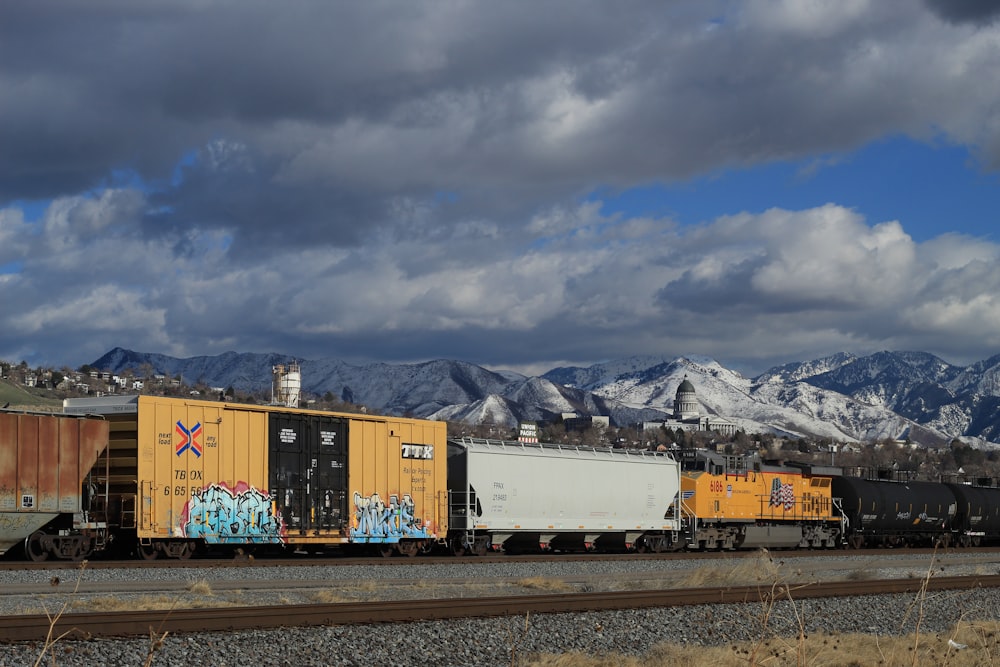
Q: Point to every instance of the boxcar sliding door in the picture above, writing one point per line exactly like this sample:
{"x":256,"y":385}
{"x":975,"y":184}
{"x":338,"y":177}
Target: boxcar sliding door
{"x":308,"y":464}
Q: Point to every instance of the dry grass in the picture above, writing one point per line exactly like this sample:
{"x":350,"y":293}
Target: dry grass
{"x":966,"y":644}
{"x":147,"y":603}
{"x":760,"y":569}
{"x":51,"y":638}
{"x":328,"y":597}
{"x":369,"y":587}
{"x":200,"y":587}
{"x":201,"y":596}
{"x":545,"y":584}
{"x":982,"y":641}
{"x":862,"y":574}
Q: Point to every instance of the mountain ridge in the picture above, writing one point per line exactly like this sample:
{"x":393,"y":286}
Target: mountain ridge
{"x":841,"y":397}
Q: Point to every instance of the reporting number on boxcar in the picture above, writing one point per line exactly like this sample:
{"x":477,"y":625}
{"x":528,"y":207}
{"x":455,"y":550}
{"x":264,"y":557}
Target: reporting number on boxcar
{"x":418,"y":451}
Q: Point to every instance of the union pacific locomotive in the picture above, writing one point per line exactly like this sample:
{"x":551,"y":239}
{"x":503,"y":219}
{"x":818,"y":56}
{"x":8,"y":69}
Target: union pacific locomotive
{"x":163,"y":477}
{"x":742,"y":502}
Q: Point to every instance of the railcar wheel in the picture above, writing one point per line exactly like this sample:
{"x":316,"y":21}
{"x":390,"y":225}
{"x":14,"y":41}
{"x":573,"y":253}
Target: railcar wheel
{"x":33,"y":548}
{"x":457,"y":549}
{"x":856,"y":541}
{"x":385,"y":550}
{"x":408,"y":549}
{"x":147,"y":552}
{"x":186,"y":551}
{"x":84,"y":548}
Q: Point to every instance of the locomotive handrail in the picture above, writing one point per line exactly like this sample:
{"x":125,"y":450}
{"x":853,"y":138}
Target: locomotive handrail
{"x":692,"y":518}
{"x":838,"y":504}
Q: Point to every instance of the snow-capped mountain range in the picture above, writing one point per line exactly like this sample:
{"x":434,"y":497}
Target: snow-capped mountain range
{"x":841,"y":397}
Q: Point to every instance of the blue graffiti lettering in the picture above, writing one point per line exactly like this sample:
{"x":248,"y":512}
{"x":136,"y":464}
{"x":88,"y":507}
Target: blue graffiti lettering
{"x":378,"y":521}
{"x":224,"y":516}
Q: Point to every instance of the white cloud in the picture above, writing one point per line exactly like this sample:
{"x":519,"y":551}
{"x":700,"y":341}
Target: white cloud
{"x":14,"y":235}
{"x":100,"y":308}
{"x":624,"y":285}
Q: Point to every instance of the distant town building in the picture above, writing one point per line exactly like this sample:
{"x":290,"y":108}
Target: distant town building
{"x":687,"y":415}
{"x":576,"y":423}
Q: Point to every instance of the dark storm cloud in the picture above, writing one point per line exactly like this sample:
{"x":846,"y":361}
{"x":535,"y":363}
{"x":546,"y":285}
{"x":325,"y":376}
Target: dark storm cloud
{"x":980,"y":12}
{"x":347,"y":108}
{"x":100,"y":85}
{"x":733,"y":292}
{"x":259,"y":213}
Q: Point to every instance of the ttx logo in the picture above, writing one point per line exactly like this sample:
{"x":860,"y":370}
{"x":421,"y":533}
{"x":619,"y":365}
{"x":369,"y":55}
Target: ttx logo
{"x":189,"y":439}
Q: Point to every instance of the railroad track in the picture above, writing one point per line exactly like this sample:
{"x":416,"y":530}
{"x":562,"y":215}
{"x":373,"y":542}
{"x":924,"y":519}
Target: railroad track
{"x":241,"y":561}
{"x":177,"y":621}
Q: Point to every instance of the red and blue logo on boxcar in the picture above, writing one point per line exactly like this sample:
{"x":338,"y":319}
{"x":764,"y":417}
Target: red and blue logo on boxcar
{"x":189,"y":439}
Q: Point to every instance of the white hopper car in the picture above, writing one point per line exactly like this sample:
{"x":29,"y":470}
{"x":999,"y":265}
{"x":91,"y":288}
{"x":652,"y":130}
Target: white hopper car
{"x":529,"y":497}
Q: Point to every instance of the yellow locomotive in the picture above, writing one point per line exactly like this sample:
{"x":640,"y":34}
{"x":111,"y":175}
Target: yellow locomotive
{"x":740,"y":502}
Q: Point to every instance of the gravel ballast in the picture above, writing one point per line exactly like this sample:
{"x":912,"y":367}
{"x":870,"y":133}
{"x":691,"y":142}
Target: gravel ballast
{"x":491,"y":641}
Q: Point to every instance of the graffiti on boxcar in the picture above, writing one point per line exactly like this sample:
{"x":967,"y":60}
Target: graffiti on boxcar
{"x":378,"y":521}
{"x":7,"y":495}
{"x":222,"y":515}
{"x":19,"y":524}
{"x":782,"y":495}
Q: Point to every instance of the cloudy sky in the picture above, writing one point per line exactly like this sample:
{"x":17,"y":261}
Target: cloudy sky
{"x":515,"y":184}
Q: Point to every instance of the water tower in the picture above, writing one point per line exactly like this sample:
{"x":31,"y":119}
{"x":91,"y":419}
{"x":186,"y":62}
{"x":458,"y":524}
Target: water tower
{"x":286,"y":385}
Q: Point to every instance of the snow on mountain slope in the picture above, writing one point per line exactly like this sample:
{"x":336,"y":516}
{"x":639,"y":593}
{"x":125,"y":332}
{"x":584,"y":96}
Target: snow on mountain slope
{"x":542,"y":392}
{"x":492,"y":409}
{"x":794,"y":407}
{"x":804,"y":407}
{"x":980,"y":378}
{"x":841,"y":397}
{"x":801,"y":370}
{"x":603,"y":373}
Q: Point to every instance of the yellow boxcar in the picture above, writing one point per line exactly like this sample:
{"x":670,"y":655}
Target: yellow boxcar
{"x":234,"y":474}
{"x":740,"y":502}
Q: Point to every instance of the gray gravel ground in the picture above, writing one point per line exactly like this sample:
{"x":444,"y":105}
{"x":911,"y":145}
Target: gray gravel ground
{"x":491,"y":641}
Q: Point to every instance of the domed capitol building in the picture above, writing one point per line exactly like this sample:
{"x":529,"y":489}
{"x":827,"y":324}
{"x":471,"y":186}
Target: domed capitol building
{"x":688,"y":417}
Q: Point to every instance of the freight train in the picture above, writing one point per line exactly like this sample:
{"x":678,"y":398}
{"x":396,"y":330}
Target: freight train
{"x":743,"y":502}
{"x":166,"y":477}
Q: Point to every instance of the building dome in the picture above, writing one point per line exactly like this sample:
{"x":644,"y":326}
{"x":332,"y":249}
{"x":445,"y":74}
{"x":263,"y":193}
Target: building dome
{"x":686,"y":402}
